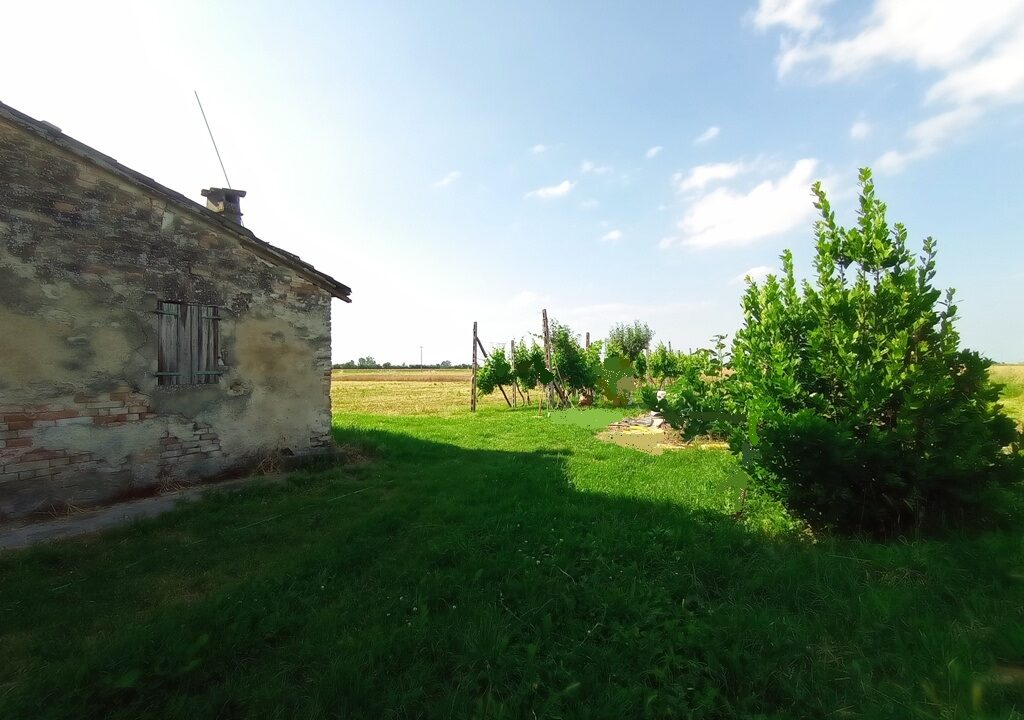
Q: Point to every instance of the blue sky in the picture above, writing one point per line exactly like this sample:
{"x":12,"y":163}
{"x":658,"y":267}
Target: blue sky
{"x":455,"y":162}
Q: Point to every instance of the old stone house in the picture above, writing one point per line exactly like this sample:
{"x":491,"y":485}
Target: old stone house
{"x":144,"y":338}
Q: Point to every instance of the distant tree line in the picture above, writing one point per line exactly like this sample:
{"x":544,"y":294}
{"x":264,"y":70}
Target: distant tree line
{"x":368,"y":363}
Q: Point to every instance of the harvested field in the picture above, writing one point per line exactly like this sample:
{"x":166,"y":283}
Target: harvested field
{"x":1012,"y":376}
{"x":406,"y":392}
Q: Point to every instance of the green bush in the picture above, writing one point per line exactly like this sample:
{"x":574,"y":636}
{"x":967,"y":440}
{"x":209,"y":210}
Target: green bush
{"x":663,"y":364}
{"x":495,"y":371}
{"x":699,"y":401}
{"x":865,"y":412}
{"x":616,"y":381}
{"x":528,"y":366}
{"x":577,"y":368}
{"x":632,"y":343}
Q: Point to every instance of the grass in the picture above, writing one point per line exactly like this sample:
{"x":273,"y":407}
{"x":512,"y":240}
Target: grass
{"x":507,"y":565}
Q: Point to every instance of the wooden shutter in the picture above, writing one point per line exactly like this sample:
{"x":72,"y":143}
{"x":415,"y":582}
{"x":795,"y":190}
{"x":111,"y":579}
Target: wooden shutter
{"x":188,"y":350}
{"x":168,"y":345}
{"x":207,"y":348}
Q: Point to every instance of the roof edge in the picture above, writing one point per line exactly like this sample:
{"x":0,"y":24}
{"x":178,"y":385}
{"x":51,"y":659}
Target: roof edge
{"x":55,"y":136}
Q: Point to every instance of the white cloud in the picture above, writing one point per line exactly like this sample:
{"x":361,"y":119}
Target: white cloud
{"x":612,"y":236}
{"x":756,"y":273}
{"x":448,"y":179}
{"x":998,"y":77}
{"x":653,"y":152}
{"x":930,"y":34}
{"x":726,"y":218}
{"x":928,"y":136}
{"x":702,"y":175}
{"x":589,"y":168}
{"x":801,"y":15}
{"x":538,"y":149}
{"x":976,"y":49}
{"x":710,"y":134}
{"x":552,"y":191}
{"x":589,"y":204}
{"x":860,"y":130}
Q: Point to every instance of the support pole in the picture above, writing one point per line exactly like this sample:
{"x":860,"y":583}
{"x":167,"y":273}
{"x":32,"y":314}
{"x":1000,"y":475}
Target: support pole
{"x":550,"y":387}
{"x":472,"y":397}
{"x":587,"y":346}
{"x":512,"y":362}
{"x":500,"y":387}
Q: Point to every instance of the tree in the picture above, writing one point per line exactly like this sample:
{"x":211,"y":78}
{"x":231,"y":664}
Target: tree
{"x":446,"y":363}
{"x":699,"y":400}
{"x":529,"y":366}
{"x":495,"y":371}
{"x":577,"y":368}
{"x":663,"y":364}
{"x":865,"y":412}
{"x":632,"y":343}
{"x":366,"y":362}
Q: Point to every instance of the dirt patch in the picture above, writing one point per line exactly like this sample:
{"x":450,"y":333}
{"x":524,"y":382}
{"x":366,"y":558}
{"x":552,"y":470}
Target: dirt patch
{"x":651,"y":434}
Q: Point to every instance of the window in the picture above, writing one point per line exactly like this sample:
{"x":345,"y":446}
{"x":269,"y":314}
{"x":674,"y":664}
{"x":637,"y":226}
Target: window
{"x":188,"y":350}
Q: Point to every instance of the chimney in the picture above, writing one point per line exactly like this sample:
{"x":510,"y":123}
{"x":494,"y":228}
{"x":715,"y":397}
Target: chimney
{"x":226,"y":202}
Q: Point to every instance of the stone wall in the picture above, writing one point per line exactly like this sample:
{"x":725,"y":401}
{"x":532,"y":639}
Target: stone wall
{"x":85,"y":257}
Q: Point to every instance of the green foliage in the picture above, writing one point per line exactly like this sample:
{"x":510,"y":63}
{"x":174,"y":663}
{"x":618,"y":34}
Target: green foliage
{"x":577,"y":368}
{"x":528,"y":366}
{"x":630,"y":341}
{"x":700,"y":399}
{"x":496,"y":370}
{"x":868,"y":414}
{"x":616,"y":380}
{"x":663,"y":364}
{"x":640,"y":366}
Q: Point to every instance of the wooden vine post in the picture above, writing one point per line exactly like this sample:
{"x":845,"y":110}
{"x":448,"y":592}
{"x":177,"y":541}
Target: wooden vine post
{"x":472,"y":396}
{"x":500,"y":386}
{"x":512,"y":362}
{"x":549,"y":387}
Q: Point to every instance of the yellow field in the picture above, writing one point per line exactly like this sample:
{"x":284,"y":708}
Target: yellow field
{"x":1013,"y":394}
{"x":444,"y":392}
{"x":406,"y":392}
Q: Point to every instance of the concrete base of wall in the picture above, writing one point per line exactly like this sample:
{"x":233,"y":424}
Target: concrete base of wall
{"x":23,"y":532}
{"x":18,"y":535}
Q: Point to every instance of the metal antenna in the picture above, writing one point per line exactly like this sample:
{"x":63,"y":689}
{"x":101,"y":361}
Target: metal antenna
{"x":212,"y":140}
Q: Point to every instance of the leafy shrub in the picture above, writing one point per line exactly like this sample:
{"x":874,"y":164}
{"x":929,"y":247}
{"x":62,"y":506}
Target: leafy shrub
{"x":528,"y":366}
{"x":663,"y":364}
{"x":495,"y":371}
{"x":577,"y":368}
{"x":615,"y":381}
{"x":867,"y":414}
{"x":700,"y":399}
{"x":631,"y":342}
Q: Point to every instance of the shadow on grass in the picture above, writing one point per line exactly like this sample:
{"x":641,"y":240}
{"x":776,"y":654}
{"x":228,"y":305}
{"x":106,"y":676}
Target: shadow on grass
{"x":441,"y":581}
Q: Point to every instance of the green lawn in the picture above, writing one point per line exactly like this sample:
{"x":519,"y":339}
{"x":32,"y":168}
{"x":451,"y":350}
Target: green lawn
{"x":504,"y":565}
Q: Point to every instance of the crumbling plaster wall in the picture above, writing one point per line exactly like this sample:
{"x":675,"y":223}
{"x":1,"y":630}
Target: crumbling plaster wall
{"x":85,"y":256}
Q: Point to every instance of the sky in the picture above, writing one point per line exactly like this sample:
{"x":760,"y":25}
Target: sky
{"x":456,"y":162}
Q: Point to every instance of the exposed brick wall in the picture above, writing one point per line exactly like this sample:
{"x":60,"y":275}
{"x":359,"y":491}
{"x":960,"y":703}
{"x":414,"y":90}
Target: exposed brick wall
{"x":85,"y":256}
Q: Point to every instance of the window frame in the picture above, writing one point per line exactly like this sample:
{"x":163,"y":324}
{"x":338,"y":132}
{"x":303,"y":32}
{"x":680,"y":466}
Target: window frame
{"x":188,"y":344}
